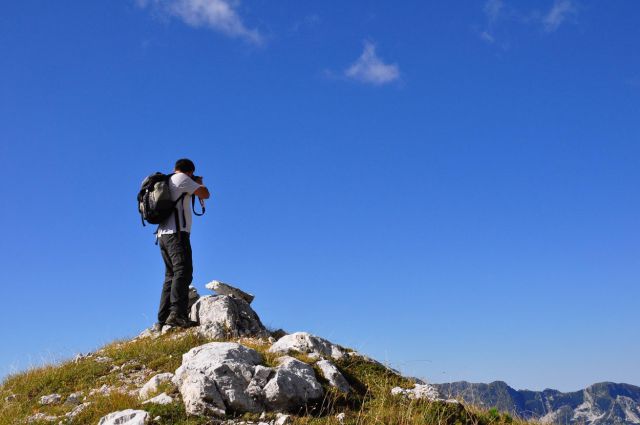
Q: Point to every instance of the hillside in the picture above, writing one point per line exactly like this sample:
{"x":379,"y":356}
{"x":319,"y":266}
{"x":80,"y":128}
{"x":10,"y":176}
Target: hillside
{"x":604,"y":403}
{"x":230,"y":369}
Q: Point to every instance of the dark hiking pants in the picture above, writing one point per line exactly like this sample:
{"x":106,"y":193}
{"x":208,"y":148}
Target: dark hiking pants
{"x":176,"y":253}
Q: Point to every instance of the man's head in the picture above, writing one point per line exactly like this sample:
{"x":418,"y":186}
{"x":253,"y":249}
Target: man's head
{"x":186,"y":166}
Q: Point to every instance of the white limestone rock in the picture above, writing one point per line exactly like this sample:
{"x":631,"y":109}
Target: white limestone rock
{"x":333,"y":375}
{"x":226,"y":289}
{"x":224,"y":316}
{"x":79,"y":357}
{"x":419,"y":392}
{"x":193,"y":296}
{"x":160,"y":399}
{"x":152,"y":385}
{"x":74,"y":398}
{"x":293,"y":385}
{"x":50,"y":399}
{"x":200,"y":396}
{"x":103,"y":390}
{"x":219,"y":374}
{"x":125,"y":417}
{"x":261,"y":375}
{"x":306,"y":343}
{"x":77,"y":410}
{"x":39,"y":417}
{"x":282,"y":419}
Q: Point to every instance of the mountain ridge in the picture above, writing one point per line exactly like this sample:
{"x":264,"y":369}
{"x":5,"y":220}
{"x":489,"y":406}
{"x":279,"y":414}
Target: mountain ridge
{"x":602,"y":403}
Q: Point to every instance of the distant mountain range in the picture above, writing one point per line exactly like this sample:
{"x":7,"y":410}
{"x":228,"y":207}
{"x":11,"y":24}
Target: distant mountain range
{"x":604,"y":403}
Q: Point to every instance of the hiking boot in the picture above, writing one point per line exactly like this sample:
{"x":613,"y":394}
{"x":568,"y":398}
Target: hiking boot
{"x":179,"y":321}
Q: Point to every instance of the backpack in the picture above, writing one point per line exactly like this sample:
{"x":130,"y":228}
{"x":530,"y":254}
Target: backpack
{"x":154,"y":200}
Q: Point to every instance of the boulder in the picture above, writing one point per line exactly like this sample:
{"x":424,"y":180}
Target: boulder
{"x":419,"y":392}
{"x":308,"y":344}
{"x":226,"y":289}
{"x":40,"y":417}
{"x":152,"y":385}
{"x":125,"y":417}
{"x":224,"y":316}
{"x":74,"y":398}
{"x":160,"y":399}
{"x":200,"y":396}
{"x":282,"y":419}
{"x":50,"y":399}
{"x":261,"y":375}
{"x":333,"y":375}
{"x":193,"y":296}
{"x":224,"y":377}
{"x":77,"y":410}
{"x":293,"y":385}
{"x":216,"y":377}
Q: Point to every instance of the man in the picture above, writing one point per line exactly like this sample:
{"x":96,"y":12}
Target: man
{"x":175,"y":246}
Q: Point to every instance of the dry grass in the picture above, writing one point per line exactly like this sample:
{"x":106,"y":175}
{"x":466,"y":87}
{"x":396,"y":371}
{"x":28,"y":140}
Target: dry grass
{"x":369,"y":403}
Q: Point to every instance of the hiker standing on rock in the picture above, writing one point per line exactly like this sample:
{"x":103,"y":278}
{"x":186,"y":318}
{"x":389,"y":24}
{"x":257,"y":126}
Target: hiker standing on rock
{"x":164,"y":200}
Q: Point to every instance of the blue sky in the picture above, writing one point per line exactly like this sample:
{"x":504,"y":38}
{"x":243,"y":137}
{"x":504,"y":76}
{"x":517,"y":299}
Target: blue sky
{"x":450,"y":187}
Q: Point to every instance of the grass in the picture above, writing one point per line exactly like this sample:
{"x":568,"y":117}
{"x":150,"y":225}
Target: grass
{"x":369,"y":403}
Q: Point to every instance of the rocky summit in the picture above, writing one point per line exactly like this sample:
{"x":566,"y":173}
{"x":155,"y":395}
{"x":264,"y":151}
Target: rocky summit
{"x":231,"y":369}
{"x":604,"y":403}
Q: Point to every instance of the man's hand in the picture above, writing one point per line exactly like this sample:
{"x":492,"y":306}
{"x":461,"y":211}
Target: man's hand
{"x":202,"y":192}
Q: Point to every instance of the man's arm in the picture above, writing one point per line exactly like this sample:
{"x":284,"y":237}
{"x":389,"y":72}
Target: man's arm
{"x":202,"y":192}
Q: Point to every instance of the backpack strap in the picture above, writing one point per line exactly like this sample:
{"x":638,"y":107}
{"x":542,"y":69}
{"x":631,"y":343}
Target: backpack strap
{"x":177,"y":218}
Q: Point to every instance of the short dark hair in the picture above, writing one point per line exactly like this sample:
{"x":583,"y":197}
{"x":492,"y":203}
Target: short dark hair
{"x":185,"y":165}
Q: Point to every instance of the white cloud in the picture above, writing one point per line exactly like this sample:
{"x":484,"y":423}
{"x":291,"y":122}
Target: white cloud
{"x":493,"y":9}
{"x":559,"y":12}
{"x":369,"y":68}
{"x":487,"y":37}
{"x":218,"y":15}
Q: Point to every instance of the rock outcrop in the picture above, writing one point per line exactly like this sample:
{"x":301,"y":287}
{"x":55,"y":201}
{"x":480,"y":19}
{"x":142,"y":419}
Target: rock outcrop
{"x":333,"y":375}
{"x":293,"y":385}
{"x":225,"y":316}
{"x":226,"y":289}
{"x":151,"y":387}
{"x":214,"y":377}
{"x":222,"y":377}
{"x":126,"y":417}
{"x":306,"y":343}
{"x":421,"y":392}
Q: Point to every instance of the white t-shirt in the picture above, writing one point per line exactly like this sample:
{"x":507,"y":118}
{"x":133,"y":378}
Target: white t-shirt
{"x":179,"y":183}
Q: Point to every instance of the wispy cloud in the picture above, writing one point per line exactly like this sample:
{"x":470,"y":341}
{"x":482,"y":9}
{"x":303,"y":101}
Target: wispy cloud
{"x":369,"y":68}
{"x":493,"y":9}
{"x":559,"y":12}
{"x":500,"y":13}
{"x":486,"y":36}
{"x":219,"y":15}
